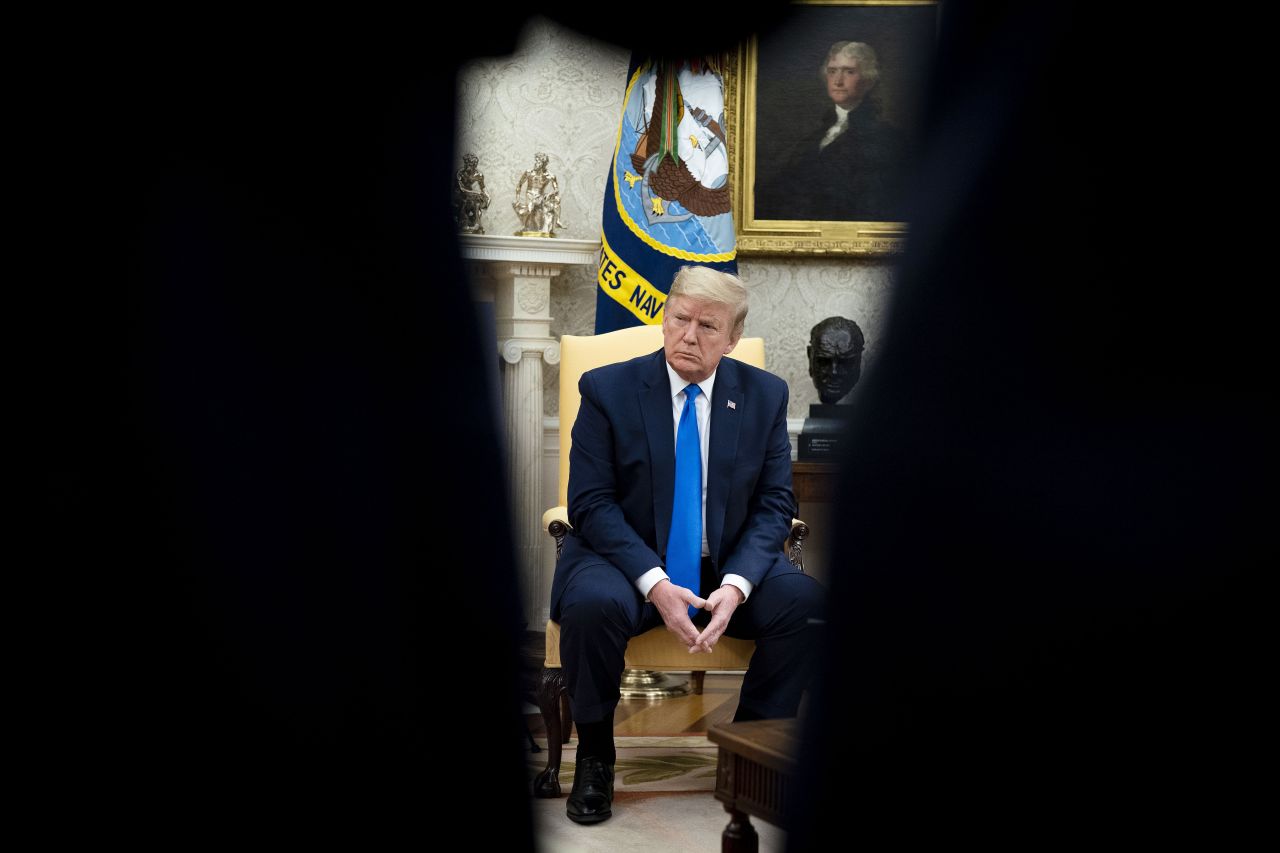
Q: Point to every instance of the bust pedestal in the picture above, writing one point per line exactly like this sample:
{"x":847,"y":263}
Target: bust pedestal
{"x":823,"y":438}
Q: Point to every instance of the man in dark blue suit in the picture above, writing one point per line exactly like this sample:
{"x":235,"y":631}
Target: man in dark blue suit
{"x":612,"y":580}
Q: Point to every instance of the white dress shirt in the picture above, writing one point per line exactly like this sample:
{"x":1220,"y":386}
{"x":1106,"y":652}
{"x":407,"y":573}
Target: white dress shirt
{"x":841,"y":125}
{"x":702,"y":408}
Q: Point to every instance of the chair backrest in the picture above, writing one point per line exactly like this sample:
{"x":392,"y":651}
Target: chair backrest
{"x":578,"y":354}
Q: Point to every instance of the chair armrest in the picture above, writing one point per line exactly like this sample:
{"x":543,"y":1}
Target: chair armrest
{"x":556,"y":513}
{"x":795,"y":546}
{"x":556,"y":522}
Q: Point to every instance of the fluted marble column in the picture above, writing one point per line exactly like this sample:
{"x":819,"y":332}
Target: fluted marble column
{"x":515,"y":273}
{"x":522,"y":310}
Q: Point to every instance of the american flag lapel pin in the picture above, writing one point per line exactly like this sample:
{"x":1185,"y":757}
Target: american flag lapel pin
{"x":733,"y":405}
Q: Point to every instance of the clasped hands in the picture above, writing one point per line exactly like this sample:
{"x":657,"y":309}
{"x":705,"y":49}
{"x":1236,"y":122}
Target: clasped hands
{"x":673,"y":603}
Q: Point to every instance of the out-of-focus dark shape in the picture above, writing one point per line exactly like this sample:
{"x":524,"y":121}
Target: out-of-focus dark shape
{"x":307,"y":535}
{"x":671,"y":33}
{"x":270,"y":465}
{"x":1046,"y":619}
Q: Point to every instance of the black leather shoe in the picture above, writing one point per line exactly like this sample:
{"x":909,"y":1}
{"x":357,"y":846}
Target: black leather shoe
{"x":592,"y":798}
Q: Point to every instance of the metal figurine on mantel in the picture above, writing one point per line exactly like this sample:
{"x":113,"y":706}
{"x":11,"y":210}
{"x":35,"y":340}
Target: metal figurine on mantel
{"x":469,"y":197}
{"x":835,"y":364}
{"x":537,"y":201}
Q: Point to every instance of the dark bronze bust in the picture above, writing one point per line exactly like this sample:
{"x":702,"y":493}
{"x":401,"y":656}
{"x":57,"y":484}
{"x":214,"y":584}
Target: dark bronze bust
{"x":835,"y":357}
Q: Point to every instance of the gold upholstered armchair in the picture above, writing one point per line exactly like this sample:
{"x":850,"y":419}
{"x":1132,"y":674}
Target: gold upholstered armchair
{"x":656,"y":650}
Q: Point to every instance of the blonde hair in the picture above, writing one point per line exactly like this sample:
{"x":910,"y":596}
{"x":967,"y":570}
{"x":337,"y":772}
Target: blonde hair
{"x":712,"y":285}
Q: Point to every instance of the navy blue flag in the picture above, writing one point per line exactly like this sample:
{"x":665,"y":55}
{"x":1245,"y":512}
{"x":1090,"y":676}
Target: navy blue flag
{"x":666,"y":199}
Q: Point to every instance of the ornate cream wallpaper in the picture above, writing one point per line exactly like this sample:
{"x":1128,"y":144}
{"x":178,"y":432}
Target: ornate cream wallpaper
{"x":560,"y":92}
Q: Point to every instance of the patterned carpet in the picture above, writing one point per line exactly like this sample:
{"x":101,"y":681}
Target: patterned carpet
{"x":663,"y":800}
{"x":646,"y":764}
{"x":674,"y":822}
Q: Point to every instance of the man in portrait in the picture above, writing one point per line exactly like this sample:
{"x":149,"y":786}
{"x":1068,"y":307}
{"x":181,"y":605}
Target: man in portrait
{"x":680,"y":502}
{"x":846,"y":165}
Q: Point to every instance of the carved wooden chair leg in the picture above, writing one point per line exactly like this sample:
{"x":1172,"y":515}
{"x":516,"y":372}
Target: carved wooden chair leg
{"x":550,"y":691}
{"x":698,"y":678}
{"x":795,"y":544}
{"x":566,"y":717}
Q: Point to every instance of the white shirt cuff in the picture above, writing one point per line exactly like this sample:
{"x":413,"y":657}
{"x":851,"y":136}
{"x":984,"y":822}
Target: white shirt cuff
{"x":741,"y":583}
{"x":649,"y":580}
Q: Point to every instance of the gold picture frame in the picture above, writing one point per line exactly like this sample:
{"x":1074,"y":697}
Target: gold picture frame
{"x":793,"y":91}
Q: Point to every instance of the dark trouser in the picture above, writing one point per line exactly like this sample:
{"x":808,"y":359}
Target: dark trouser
{"x":601,"y":610}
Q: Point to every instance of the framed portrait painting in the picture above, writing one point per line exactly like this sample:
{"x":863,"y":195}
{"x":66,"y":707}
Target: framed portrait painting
{"x":826,"y":116}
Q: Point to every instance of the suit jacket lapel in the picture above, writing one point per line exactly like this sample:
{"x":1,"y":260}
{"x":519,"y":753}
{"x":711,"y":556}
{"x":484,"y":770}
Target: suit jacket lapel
{"x":723,"y":449}
{"x":655,"y":408}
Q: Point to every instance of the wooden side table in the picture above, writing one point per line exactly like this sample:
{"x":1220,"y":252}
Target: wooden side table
{"x":814,"y":481}
{"x":755,"y":776}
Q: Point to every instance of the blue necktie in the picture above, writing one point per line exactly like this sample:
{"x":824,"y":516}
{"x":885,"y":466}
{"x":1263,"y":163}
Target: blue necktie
{"x":684,"y":544}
